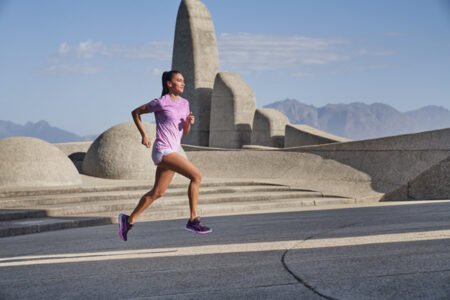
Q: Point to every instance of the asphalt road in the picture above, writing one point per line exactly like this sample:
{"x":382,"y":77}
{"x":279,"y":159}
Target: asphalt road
{"x":382,"y":251}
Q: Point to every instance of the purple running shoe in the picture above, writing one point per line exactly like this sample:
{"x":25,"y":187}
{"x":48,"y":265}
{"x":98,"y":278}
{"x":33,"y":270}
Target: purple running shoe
{"x":124,"y":226}
{"x":197,"y":226}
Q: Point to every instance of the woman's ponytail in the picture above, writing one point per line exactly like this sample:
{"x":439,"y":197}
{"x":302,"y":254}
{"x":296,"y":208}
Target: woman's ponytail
{"x":167,"y":76}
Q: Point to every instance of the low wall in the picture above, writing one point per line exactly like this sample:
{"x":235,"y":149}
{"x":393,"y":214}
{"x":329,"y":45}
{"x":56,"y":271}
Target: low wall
{"x":412,"y":166}
{"x":75,"y":151}
{"x":361,"y":169}
{"x":432,"y":184}
{"x":304,"y":135}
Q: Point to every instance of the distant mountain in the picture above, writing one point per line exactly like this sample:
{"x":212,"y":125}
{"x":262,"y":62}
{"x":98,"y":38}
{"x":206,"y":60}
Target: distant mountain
{"x":362,"y":121}
{"x":42,"y":130}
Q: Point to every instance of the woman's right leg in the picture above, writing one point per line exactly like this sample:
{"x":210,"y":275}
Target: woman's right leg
{"x":163,"y":177}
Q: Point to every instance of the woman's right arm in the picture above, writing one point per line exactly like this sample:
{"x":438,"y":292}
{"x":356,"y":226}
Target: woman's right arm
{"x":137,"y":120}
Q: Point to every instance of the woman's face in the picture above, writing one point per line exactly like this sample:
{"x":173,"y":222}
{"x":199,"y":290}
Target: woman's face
{"x":176,"y":85}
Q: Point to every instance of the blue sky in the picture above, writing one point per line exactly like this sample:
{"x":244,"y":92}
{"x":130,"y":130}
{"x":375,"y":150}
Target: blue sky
{"x":84,"y":65}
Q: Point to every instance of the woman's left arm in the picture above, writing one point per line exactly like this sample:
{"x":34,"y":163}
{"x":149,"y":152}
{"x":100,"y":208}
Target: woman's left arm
{"x":190,"y":120}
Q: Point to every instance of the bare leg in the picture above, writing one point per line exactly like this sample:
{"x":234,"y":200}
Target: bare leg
{"x":177,"y":163}
{"x":163,"y":178}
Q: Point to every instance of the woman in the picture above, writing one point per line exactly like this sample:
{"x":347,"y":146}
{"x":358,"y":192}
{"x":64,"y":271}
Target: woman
{"x":173,"y":120}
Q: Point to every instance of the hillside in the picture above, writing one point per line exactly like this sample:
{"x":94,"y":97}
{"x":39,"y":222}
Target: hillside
{"x":42,"y":130}
{"x":362,"y":121}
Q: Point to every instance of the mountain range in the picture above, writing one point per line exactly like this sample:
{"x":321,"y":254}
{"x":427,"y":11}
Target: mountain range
{"x":359,"y":121}
{"x":355,"y":121}
{"x":41,"y":130}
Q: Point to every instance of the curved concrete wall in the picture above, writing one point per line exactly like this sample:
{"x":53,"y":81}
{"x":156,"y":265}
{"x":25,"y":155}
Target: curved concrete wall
{"x":232,"y":110}
{"x":304,"y":135}
{"x":196,"y":56}
{"x":269,"y":128}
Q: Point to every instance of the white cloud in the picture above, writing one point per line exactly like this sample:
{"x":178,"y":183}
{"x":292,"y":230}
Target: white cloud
{"x":258,"y":52}
{"x":303,"y":74}
{"x":71,"y":59}
{"x":63,"y":49}
{"x":90,"y":49}
{"x":72,"y":69}
{"x":364,"y":68}
{"x":374,"y":53}
{"x":241,"y":52}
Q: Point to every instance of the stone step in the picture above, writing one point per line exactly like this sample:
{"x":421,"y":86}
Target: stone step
{"x":73,"y":209}
{"x":25,"y":192}
{"x":219,"y":209}
{"x":61,"y":208}
{"x":16,"y":214}
{"x":160,"y":211}
{"x":122,"y":195}
{"x":35,"y":225}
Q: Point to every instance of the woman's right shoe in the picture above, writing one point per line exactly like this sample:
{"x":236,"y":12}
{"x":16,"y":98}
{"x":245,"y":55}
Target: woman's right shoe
{"x":124,"y":226}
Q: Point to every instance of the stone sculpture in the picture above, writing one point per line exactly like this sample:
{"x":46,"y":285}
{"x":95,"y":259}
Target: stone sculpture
{"x":195,"y":55}
{"x":27,"y":161}
{"x":269,"y":128}
{"x":118,"y":153}
{"x":232,"y":110}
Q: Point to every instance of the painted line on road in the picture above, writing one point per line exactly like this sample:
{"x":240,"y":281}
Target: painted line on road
{"x":224,"y":248}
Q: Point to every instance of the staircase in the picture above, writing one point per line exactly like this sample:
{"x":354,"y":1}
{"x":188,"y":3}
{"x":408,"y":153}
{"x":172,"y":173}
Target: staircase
{"x":38,"y":210}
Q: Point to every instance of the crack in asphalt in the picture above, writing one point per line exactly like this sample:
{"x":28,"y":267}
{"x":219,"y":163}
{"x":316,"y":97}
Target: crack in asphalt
{"x":299,"y":279}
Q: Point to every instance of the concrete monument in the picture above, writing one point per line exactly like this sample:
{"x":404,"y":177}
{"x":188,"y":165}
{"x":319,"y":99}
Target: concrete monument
{"x":195,"y":55}
{"x":269,"y":128}
{"x":232,"y":110}
{"x":26,"y":161}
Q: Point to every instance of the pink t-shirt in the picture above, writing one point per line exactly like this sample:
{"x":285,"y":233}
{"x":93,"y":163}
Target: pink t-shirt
{"x":170,"y":117}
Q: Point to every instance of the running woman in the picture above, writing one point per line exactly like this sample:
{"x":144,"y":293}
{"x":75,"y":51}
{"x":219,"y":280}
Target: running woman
{"x":173,"y":120}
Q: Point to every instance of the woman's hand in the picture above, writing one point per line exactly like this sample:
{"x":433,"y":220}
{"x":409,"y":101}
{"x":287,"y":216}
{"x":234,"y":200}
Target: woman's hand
{"x":137,"y":120}
{"x":187,"y":124}
{"x":190,"y":119}
{"x":146,"y":141}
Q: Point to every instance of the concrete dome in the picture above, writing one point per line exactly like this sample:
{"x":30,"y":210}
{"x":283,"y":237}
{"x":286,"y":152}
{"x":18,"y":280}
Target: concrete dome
{"x":26,"y":161}
{"x":118,"y":153}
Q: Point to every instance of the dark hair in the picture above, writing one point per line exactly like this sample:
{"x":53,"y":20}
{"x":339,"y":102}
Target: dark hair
{"x":167,"y":76}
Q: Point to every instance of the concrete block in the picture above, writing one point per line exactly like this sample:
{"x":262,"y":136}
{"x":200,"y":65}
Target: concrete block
{"x":232,"y":110}
{"x":436,"y":140}
{"x":196,"y":56}
{"x":269,"y":128}
{"x":304,"y":135}
{"x":432,"y":184}
{"x":75,"y":151}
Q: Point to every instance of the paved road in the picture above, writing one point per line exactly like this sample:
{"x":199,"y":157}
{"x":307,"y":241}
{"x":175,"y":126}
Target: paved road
{"x":382,"y":251}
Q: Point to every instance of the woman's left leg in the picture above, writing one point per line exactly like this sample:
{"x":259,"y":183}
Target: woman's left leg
{"x":163,"y":177}
{"x":181,"y":165}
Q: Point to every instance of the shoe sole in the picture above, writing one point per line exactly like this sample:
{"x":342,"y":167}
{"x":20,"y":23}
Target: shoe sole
{"x":199,"y":232}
